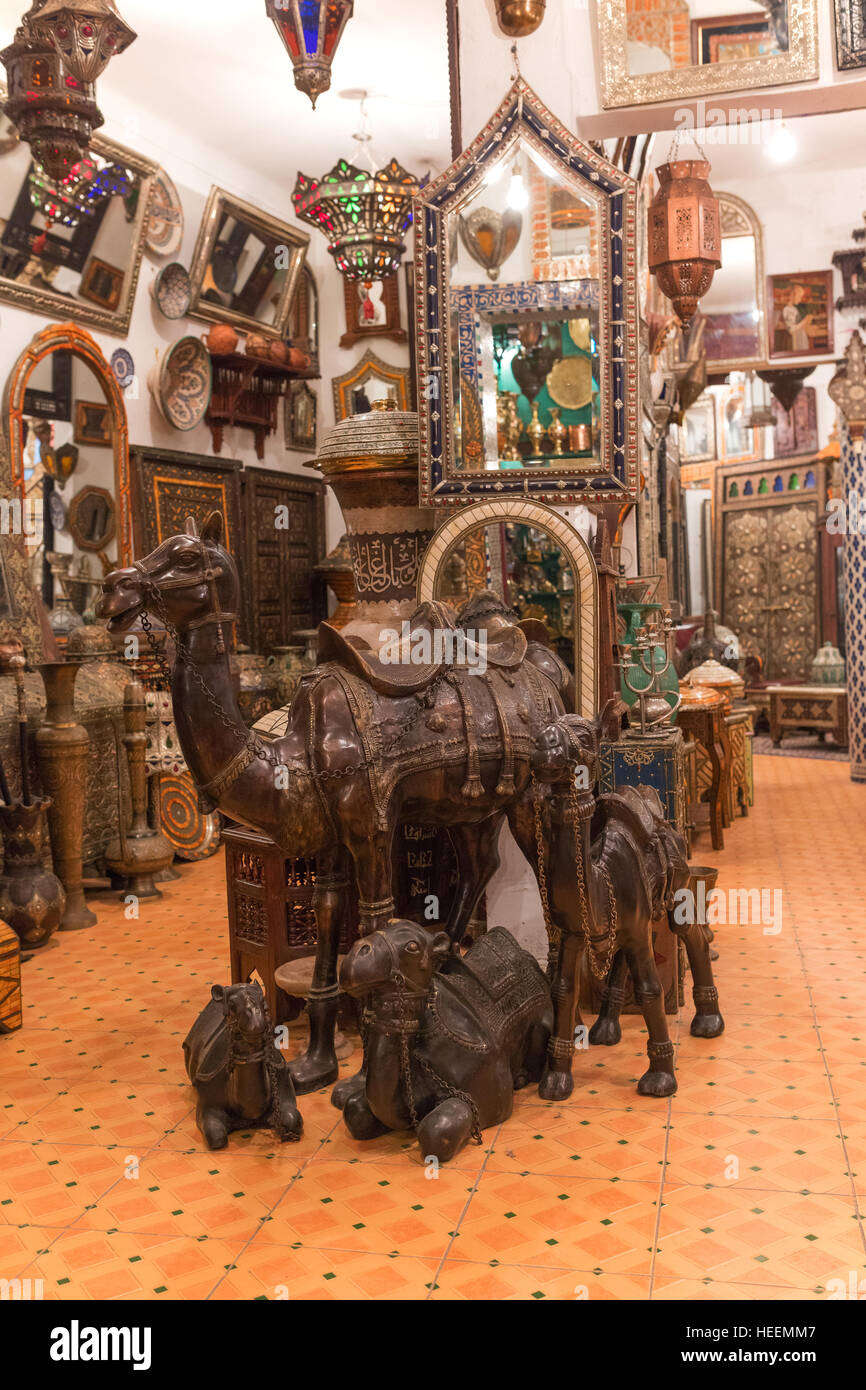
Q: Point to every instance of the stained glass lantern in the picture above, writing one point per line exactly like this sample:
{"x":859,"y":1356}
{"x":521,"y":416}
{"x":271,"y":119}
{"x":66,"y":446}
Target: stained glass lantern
{"x":52,"y":111}
{"x":365,"y":216}
{"x":684,"y":234}
{"x":69,"y":200}
{"x":311,"y":31}
{"x":86,"y":34}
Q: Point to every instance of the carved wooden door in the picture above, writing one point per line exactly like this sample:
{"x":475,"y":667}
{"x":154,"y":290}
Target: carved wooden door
{"x":285,"y":521}
{"x":767,"y":561}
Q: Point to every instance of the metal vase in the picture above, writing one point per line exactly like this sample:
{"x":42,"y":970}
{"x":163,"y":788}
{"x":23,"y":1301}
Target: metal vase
{"x":32,"y":899}
{"x":62,"y":750}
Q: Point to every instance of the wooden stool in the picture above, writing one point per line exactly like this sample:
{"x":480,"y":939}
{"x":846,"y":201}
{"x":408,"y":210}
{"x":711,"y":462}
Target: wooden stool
{"x":704,"y":720}
{"x":295,"y":979}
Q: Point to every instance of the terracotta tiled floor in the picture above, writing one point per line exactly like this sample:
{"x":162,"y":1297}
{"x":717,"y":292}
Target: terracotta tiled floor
{"x":750,"y":1183}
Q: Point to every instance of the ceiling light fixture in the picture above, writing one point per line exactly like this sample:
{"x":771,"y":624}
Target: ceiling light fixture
{"x":365,"y":214}
{"x":53,"y":112}
{"x":310,"y":31}
{"x":518,"y":193}
{"x":782,"y":146}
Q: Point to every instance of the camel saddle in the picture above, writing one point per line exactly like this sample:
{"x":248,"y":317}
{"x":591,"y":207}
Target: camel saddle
{"x":664,"y":856}
{"x":431,"y":629}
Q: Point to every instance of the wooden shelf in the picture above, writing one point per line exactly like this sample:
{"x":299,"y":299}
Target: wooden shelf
{"x":247,"y":392}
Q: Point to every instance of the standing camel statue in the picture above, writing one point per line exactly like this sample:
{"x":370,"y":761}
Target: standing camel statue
{"x":369,"y":744}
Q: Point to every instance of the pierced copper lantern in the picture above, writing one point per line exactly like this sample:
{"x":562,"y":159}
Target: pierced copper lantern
{"x":847,"y":390}
{"x":86,"y":34}
{"x":684,"y":234}
{"x":311,"y":31}
{"x":52,"y":111}
{"x":518,"y":18}
{"x":365,"y":216}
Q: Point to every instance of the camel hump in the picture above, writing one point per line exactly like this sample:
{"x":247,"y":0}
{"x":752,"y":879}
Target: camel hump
{"x":423,"y":648}
{"x":206,"y":1047}
{"x":639,"y":808}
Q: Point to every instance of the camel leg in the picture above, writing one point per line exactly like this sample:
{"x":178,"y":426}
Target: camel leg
{"x":708,"y":1021}
{"x":318,"y":1066}
{"x":557,"y":1082}
{"x":372,"y":858}
{"x":443,"y":1132}
{"x":477,"y":861}
{"x":661,"y":1079}
{"x":360,"y":1120}
{"x":606,"y":1030}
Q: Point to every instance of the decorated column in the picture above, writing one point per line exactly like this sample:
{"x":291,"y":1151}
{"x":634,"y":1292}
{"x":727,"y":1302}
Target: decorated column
{"x":854,"y":465}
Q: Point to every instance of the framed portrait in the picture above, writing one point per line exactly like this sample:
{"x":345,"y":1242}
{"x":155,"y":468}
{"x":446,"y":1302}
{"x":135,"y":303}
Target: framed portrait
{"x":699,"y":431}
{"x":800,"y":310}
{"x":372,"y":311}
{"x":301,"y":407}
{"x":102,"y":283}
{"x":736,"y":38}
{"x":92,"y":424}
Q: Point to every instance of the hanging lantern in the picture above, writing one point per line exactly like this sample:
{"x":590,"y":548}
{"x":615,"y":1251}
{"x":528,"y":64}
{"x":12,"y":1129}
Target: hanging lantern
{"x":786,"y":383}
{"x":311,"y":31}
{"x":684,"y":234}
{"x":80,"y":193}
{"x":490,"y":237}
{"x":86,"y":34}
{"x":364,"y":216}
{"x":518,"y":18}
{"x":847,"y":390}
{"x":52,"y":111}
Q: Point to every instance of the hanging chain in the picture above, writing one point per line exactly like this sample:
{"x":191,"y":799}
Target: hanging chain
{"x":451,"y":1092}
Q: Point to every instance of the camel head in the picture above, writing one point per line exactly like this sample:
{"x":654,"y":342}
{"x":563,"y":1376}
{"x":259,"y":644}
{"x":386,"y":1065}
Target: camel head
{"x":186,"y":579}
{"x":401,"y":951}
{"x":244,"y":1008}
{"x":574,"y":742}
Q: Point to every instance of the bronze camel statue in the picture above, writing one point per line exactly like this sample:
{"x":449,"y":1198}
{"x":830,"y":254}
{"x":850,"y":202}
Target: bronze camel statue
{"x":369,"y":744}
{"x":449,"y":1038}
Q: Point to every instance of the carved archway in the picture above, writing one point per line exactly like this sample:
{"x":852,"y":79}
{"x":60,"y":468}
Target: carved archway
{"x":573,"y":546}
{"x":68,"y":337}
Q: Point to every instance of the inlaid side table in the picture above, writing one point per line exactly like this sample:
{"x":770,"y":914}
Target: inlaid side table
{"x":821,"y":709}
{"x":701,"y":716}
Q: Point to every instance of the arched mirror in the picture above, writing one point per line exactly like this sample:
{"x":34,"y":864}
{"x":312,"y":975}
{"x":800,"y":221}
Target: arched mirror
{"x":67,"y":438}
{"x":541,"y":566}
{"x":734,"y":307}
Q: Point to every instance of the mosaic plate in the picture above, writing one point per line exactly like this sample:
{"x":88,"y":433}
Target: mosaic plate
{"x":182,"y":384}
{"x":172,"y":291}
{"x":123,"y":367}
{"x":164,"y":232}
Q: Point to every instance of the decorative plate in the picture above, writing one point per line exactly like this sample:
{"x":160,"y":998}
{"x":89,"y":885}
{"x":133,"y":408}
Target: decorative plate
{"x":570,"y":382}
{"x":192,"y":834}
{"x":123,"y":367}
{"x":182,"y":384}
{"x":579,"y":332}
{"x":164,"y":232}
{"x":57,"y":511}
{"x":172,"y":291}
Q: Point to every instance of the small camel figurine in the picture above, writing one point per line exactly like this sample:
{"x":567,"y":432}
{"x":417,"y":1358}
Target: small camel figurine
{"x":242,"y":1080}
{"x":449,"y":1038}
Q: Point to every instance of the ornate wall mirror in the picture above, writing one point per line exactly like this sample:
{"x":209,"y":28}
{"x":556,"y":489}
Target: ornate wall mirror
{"x":526,"y":317}
{"x":80,"y":494}
{"x":91,"y":518}
{"x":734,"y":308}
{"x":89,"y":263}
{"x":664,"y":52}
{"x":246,"y":266}
{"x":538,"y":562}
{"x":371,"y":383}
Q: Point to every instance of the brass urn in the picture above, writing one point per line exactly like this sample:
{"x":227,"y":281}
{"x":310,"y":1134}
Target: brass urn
{"x":519,"y":18}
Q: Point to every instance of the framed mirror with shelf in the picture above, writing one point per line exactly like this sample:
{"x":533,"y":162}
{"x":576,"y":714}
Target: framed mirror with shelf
{"x":528,"y":378}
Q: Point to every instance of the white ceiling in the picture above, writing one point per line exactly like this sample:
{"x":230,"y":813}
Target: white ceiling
{"x":824,"y":142}
{"x":217,"y":71}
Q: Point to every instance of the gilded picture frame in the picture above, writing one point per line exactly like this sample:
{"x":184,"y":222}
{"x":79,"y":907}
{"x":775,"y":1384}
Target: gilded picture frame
{"x":613,"y":477}
{"x":220,"y":205}
{"x":621,"y":87}
{"x":850,"y":17}
{"x":370,"y":368}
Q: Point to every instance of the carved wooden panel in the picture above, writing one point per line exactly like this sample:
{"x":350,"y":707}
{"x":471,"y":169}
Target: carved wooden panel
{"x":285,"y":526}
{"x":767,"y":560}
{"x":171,"y":486}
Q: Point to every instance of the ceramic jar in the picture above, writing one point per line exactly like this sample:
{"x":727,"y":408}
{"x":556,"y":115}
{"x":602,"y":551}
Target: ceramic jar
{"x":258,"y":345}
{"x":719,"y":678}
{"x":828,"y":668}
{"x":222,"y":339}
{"x":32,"y":899}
